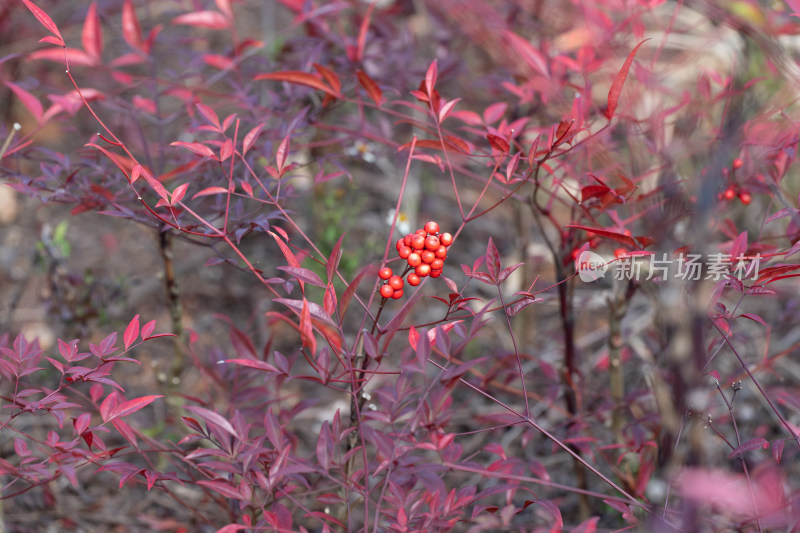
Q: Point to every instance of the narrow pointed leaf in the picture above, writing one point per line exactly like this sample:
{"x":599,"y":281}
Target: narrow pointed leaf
{"x":46,"y":21}
{"x":131,"y":31}
{"x":619,"y":82}
{"x":299,"y":78}
{"x":213,"y":418}
{"x":131,"y":332}
{"x":131,"y":406}
{"x":372,"y":88}
{"x":92,"y":35}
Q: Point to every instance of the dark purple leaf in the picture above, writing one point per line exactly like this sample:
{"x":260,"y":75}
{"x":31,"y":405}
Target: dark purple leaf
{"x":303,"y":274}
{"x":749,"y":445}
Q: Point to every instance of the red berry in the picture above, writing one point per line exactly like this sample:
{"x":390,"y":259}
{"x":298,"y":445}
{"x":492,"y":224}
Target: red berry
{"x":405,"y":251}
{"x":446,"y":239}
{"x":437,"y":264}
{"x":423,"y":270}
{"x":413,"y":279}
{"x":745,"y":197}
{"x":427,"y":256}
{"x":414,"y":259}
{"x":432,"y":243}
{"x":421,"y":232}
{"x":737,"y":164}
{"x":436,"y":273}
{"x":432,"y":227}
{"x":441,"y":252}
{"x":400,"y":244}
{"x":387,"y":291}
{"x":396,"y":283}
{"x":407,"y":239}
{"x":385,"y":273}
{"x":729,"y":193}
{"x":418,"y":242}
{"x":397,"y":294}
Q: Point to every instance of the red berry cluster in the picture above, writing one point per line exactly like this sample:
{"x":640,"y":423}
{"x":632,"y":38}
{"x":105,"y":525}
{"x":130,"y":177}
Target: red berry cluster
{"x":425,"y":251}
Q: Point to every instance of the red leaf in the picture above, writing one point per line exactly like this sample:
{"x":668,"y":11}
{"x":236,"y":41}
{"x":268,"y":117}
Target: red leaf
{"x":131,"y":332}
{"x":304,"y":275}
{"x":178,"y":193}
{"x":306,"y":330}
{"x":619,"y":82}
{"x":330,"y":76}
{"x":46,"y":21}
{"x":92,"y":35}
{"x":250,"y":138}
{"x":619,"y":237}
{"x":213,"y":20}
{"x":492,"y":259}
{"x":154,"y":183}
{"x":447,"y":108}
{"x":329,"y":300}
{"x":224,"y":488}
{"x":225,"y":7}
{"x":529,"y":54}
{"x":316,"y":311}
{"x":494,"y":112}
{"x":210,"y":190}
{"x":210,"y":115}
{"x":30,"y":102}
{"x":362,"y":33}
{"x":588,"y":526}
{"x":592,"y":191}
{"x":147,"y":329}
{"x":373,"y":91}
{"x":755,"y":318}
{"x":300,"y":78}
{"x":130,"y":407}
{"x":52,"y":40}
{"x":218,"y":61}
{"x":126,"y":431}
{"x":282,"y":153}
{"x":430,"y":77}
{"x":350,"y":291}
{"x":777,"y":450}
{"x":254,"y":363}
{"x":739,"y":246}
{"x":498,"y":143}
{"x":199,"y":149}
{"x":73,"y":55}
{"x":287,"y":252}
{"x":213,"y":418}
{"x":131,"y":31}
{"x":226,"y":151}
{"x":333,"y":260}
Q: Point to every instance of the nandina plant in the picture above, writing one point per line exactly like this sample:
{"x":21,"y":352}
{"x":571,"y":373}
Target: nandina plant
{"x":475,"y":373}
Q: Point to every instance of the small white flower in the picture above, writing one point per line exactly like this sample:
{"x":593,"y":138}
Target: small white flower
{"x":403,"y":224}
{"x":362,"y":150}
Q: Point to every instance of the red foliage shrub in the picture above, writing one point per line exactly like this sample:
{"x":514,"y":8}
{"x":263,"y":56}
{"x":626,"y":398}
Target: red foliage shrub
{"x":615,"y":179}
